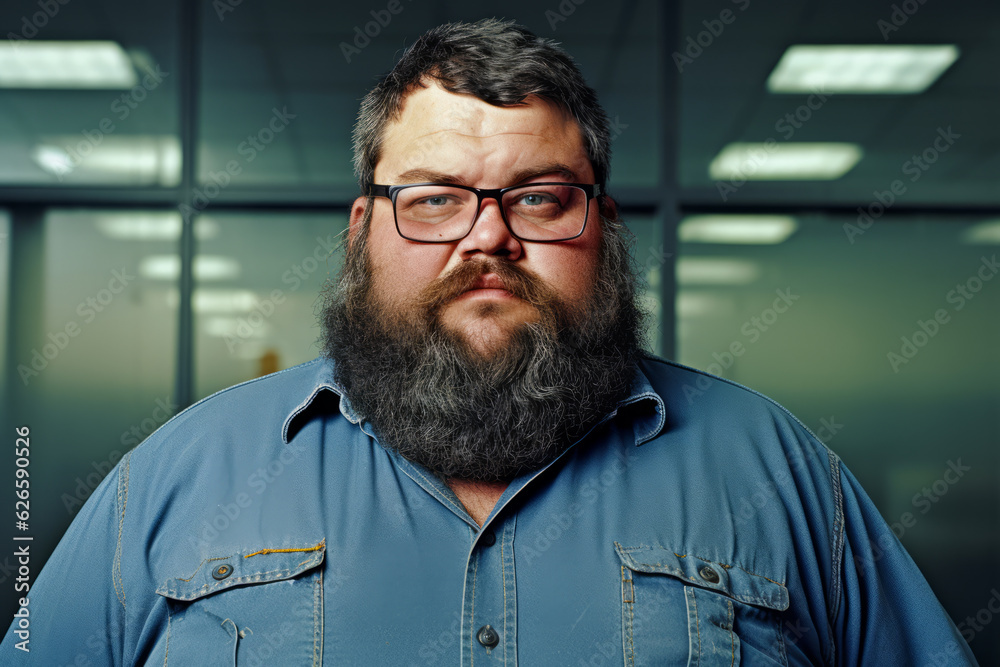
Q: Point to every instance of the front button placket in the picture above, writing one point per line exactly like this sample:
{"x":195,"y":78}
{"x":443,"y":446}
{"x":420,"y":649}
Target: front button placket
{"x":489,"y":623}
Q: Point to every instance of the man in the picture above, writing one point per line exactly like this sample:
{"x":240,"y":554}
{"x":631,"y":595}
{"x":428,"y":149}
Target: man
{"x":483,"y":468}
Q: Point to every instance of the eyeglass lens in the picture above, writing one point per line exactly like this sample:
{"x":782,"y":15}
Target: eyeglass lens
{"x":534,"y":212}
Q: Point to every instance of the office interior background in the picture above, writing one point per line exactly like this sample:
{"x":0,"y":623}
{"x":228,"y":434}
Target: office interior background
{"x":813,"y":188}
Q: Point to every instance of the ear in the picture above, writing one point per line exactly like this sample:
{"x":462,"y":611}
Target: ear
{"x":608,"y":207}
{"x":357,"y":215}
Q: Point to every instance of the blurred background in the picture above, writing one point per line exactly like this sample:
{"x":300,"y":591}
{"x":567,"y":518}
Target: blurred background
{"x":813,"y":188}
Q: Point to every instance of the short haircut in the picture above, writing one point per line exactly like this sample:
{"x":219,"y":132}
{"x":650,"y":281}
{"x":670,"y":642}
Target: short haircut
{"x":498,"y":62}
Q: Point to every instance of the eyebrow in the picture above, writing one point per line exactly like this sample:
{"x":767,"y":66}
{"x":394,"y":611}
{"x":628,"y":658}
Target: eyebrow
{"x":430,"y":176}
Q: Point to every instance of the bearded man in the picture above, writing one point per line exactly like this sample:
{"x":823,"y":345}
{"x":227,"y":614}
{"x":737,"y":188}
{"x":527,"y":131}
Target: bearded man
{"x":483,"y":468}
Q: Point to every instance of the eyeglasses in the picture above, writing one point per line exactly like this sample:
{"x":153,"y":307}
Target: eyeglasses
{"x":538,"y":212}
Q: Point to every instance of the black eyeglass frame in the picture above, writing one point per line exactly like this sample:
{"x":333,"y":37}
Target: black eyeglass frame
{"x":390,"y":192}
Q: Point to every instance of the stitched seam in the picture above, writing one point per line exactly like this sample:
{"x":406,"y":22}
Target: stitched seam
{"x":122,"y":500}
{"x":697,"y":622}
{"x":630,"y":550}
{"x":166,"y":653}
{"x":503,"y":574}
{"x":838,"y":550}
{"x":472,"y":615}
{"x":781,"y":643}
{"x":230,"y":583}
{"x":207,"y":560}
{"x":732,"y":632}
{"x":286,"y":551}
{"x":512,"y":638}
{"x":170,"y":590}
{"x":318,"y":620}
{"x":780,"y":583}
{"x":630,"y":606}
{"x":631,"y":587}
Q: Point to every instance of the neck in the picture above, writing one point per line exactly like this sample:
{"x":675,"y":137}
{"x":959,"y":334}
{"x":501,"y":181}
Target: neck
{"x":479,"y":498}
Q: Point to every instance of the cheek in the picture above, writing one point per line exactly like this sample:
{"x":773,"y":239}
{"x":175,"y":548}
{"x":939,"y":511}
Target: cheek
{"x":401,"y":270}
{"x":570,"y":270}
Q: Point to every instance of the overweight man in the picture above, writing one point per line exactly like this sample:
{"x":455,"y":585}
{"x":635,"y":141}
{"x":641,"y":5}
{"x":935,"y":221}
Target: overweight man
{"x":484,"y":467}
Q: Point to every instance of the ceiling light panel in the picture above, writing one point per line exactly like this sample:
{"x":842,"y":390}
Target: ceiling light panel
{"x":39,"y":64}
{"x":786,"y":161}
{"x":861,"y":69}
{"x":737,"y":229}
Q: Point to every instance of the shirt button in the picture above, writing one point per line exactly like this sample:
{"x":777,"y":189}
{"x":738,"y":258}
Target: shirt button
{"x":488,"y":539}
{"x":709,"y":575}
{"x":222,"y":571}
{"x":487,"y":636}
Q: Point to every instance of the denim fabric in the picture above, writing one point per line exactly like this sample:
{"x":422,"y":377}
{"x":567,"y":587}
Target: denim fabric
{"x":698,"y":524}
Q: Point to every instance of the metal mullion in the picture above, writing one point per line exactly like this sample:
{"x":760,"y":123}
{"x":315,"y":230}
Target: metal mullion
{"x":669,"y":183}
{"x":190,"y":43}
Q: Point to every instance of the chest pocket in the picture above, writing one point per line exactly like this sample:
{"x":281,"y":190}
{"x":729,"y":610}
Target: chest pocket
{"x":260,"y":607}
{"x":678,"y":609}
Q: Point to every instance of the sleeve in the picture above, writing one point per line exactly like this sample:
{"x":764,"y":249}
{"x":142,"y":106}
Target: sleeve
{"x":887,"y":613}
{"x":75,"y":609}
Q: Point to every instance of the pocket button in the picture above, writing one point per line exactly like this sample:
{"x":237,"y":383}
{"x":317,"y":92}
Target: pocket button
{"x":709,"y":575}
{"x":222,"y":571}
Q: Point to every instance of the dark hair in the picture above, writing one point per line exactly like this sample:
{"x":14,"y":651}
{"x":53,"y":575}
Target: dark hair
{"x":497,"y":61}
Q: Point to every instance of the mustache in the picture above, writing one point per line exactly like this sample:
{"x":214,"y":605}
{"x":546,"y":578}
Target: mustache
{"x":521,"y":282}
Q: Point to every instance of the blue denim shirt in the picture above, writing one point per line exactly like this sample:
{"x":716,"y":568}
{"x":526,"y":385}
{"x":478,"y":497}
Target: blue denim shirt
{"x":698,"y":524}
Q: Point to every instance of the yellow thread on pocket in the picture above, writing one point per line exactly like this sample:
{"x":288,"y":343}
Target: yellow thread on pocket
{"x":286,"y":551}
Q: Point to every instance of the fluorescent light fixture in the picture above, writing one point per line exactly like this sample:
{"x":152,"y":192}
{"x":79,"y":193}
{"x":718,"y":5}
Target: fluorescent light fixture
{"x":883,"y":68}
{"x":52,"y":159}
{"x":128,"y":159}
{"x":206,"y":267}
{"x":224,"y":301}
{"x":743,"y":229}
{"x":985,"y":233}
{"x":692,"y":304}
{"x":151,"y":226}
{"x":221,"y":327}
{"x":716,"y":271}
{"x":40,"y":64}
{"x":795,"y":161}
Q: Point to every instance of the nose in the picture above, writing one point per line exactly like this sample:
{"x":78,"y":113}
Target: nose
{"x":489,"y":235}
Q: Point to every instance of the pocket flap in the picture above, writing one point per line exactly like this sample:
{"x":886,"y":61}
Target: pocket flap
{"x":726,"y":578}
{"x":261,"y":565}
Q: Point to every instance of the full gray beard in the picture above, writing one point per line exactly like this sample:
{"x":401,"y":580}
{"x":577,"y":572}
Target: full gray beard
{"x":438,"y":402}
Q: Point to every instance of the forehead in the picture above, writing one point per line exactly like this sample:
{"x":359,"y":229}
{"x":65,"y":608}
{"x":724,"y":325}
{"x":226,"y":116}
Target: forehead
{"x":464,"y":136}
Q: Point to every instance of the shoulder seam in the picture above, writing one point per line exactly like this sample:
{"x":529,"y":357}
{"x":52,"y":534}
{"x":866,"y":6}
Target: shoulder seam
{"x":756,"y":393}
{"x":246,"y":382}
{"x":837,"y":561}
{"x":177,"y":418}
{"x":121,"y":502}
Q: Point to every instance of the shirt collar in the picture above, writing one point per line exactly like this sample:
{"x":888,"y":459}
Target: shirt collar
{"x":648,"y":422}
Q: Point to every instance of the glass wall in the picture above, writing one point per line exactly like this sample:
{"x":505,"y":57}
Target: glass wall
{"x":837,"y":252}
{"x":92,"y":363}
{"x":259,"y":277}
{"x":885,"y":348}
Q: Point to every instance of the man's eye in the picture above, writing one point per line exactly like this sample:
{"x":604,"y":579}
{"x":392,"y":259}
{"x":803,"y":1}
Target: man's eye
{"x":440,"y":200}
{"x":536,"y":199}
